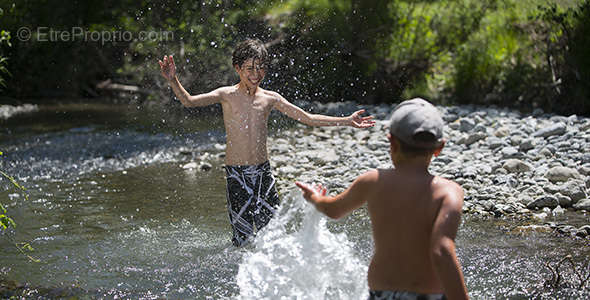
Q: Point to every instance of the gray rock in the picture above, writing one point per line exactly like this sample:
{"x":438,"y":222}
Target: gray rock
{"x":191,"y":165}
{"x":502,"y":132}
{"x":555,"y":129}
{"x":509,"y":152}
{"x":204,"y":166}
{"x":185,"y":151}
{"x":321,"y":156}
{"x":580,"y":233}
{"x":515,"y":140}
{"x":454,"y":125}
{"x":281,"y":160}
{"x":564,"y":200}
{"x":583,"y":205}
{"x":516,"y":166}
{"x":280,"y":148}
{"x":449,"y":117}
{"x":524,"y":199}
{"x":466,"y":124}
{"x":533,"y":228}
{"x":376,"y":145}
{"x":480,"y":128}
{"x":574,"y":189}
{"x":540,"y":216}
{"x":362,"y":135}
{"x":584,"y":170}
{"x":565,"y":229}
{"x":585,"y":228}
{"x":527,"y":145}
{"x":543,"y":201}
{"x":558,"y":174}
{"x":494,"y":142}
{"x":551,"y":188}
{"x":545,"y":152}
{"x":288,"y":170}
{"x":472,"y":138}
{"x":558,"y":211}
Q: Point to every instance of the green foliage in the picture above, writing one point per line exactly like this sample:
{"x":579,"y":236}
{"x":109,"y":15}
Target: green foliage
{"x":199,"y":33}
{"x":567,"y":40}
{"x":329,"y":50}
{"x":7,"y":222}
{"x":4,"y":41}
{"x":505,"y":52}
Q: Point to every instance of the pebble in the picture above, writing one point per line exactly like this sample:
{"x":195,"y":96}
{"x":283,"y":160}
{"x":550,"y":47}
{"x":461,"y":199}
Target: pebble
{"x":583,"y":205}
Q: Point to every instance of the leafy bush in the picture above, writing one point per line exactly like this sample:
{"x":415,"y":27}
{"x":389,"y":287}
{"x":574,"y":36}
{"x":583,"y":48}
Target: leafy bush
{"x":505,"y":52}
{"x":4,"y":41}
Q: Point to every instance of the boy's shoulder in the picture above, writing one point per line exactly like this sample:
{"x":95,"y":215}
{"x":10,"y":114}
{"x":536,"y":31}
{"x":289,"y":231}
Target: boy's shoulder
{"x":369,"y":178}
{"x":226,"y":90}
{"x":452,"y":192}
{"x":269,"y":93}
{"x":450,"y":185}
{"x":372,"y":175}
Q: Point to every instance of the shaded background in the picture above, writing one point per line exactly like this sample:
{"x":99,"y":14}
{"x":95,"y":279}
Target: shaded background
{"x":518,"y":53}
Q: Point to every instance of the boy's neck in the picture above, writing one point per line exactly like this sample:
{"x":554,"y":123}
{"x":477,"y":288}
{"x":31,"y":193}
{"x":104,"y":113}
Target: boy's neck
{"x":251,"y":91}
{"x":418,"y":164}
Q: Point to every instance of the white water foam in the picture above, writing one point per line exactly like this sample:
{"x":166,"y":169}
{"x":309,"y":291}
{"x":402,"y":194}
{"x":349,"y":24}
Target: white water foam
{"x":297,"y":257}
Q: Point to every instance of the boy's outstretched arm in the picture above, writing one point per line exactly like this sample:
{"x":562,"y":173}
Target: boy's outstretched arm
{"x":442,"y":245}
{"x":296,"y":113}
{"x":342,"y":204}
{"x":168,"y":69}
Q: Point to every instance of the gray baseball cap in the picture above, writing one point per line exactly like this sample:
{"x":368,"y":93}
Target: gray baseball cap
{"x":414,"y":116}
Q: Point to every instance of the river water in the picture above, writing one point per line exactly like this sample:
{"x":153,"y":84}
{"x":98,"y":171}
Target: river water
{"x":112,"y":213}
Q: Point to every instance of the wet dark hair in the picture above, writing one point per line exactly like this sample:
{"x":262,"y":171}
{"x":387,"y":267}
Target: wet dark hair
{"x":421,"y":137}
{"x":250,"y":48}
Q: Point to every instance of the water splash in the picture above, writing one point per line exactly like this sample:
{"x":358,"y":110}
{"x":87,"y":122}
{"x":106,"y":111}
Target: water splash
{"x":296,"y":256}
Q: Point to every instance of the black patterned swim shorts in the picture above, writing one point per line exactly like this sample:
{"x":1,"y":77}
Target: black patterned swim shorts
{"x":252,"y":199}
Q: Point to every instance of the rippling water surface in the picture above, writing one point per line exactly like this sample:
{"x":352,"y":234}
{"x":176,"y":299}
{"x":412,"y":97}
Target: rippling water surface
{"x":112,"y":212}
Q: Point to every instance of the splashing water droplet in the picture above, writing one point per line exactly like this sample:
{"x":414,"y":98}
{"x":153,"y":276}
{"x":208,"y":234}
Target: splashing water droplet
{"x":297,"y":256}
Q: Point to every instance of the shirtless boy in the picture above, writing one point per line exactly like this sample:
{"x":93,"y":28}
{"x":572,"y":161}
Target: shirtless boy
{"x":414,"y":215}
{"x":251,"y":194}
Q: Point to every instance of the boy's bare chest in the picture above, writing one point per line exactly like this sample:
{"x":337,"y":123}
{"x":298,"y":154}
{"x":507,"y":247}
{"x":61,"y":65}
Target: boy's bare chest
{"x":246,"y":111}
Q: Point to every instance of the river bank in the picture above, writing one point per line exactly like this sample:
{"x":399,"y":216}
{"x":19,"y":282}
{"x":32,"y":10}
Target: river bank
{"x":528,"y":166}
{"x":533,"y":168}
{"x":126,"y":201}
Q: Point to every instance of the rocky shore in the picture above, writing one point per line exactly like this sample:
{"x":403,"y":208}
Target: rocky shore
{"x":509,"y":164}
{"x":527,"y":166}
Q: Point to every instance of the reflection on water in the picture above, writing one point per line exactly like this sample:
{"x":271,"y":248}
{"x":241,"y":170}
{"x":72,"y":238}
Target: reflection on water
{"x":113,"y":212}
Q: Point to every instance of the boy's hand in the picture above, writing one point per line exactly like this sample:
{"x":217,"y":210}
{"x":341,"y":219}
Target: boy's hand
{"x":310,"y":190}
{"x":361,"y":122}
{"x":167,"y":67}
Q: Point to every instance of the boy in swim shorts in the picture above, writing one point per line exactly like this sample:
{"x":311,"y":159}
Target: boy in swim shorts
{"x":415,"y":215}
{"x":251,"y":193}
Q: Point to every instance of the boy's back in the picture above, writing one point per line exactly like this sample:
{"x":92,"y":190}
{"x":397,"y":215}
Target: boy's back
{"x":415,"y":215}
{"x":403,"y":208}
